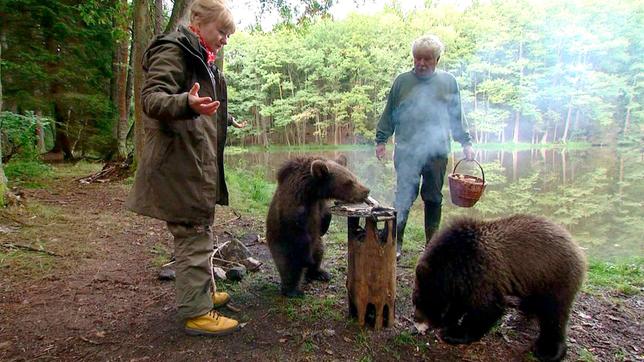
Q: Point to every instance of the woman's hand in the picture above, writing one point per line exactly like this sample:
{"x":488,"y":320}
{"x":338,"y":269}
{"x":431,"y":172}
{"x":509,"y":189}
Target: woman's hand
{"x":201,"y":105}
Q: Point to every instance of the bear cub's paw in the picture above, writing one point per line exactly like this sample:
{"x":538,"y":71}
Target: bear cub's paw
{"x":319,"y":275}
{"x":293,"y":293}
{"x":550,"y":352}
{"x":457,"y":335}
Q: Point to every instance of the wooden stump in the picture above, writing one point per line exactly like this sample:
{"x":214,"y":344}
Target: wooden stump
{"x":371,"y":278}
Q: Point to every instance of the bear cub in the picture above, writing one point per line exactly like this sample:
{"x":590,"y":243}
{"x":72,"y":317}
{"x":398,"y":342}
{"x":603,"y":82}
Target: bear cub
{"x":298,"y":216}
{"x":470,"y":266}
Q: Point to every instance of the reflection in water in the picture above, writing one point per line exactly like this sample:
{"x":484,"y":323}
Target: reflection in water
{"x":596,"y":193}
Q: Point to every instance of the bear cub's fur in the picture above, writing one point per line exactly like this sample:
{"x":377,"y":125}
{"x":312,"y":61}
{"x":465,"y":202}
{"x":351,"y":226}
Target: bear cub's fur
{"x":470,"y":266}
{"x":298,"y":216}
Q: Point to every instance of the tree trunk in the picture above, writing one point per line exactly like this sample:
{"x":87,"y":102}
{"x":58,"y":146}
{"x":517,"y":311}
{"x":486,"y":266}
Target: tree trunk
{"x":179,"y":14}
{"x":627,"y":121}
{"x":40,"y":133}
{"x":476,"y":103}
{"x":264,"y":129}
{"x":158,"y":16}
{"x":564,"y":137}
{"x":627,"y":118}
{"x":544,"y":139}
{"x":129,"y":86}
{"x":554,"y":135}
{"x":517,"y":116}
{"x":121,"y":62}
{"x":563,"y":166}
{"x":336,"y":131}
{"x":142,"y":26}
{"x":304,"y":131}
{"x":371,"y":275}
{"x":61,"y":141}
{"x":3,"y":178}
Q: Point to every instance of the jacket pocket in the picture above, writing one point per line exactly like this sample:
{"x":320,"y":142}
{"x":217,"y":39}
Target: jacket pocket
{"x":157,"y":147}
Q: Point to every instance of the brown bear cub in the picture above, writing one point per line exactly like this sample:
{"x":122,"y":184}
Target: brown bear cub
{"x":298,"y":216}
{"x":470,"y":266}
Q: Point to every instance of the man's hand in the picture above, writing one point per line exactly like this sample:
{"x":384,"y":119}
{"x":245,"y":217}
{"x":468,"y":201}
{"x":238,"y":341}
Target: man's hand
{"x":380,"y":150}
{"x":468,"y":151}
{"x":201,"y":105}
{"x":241,"y":124}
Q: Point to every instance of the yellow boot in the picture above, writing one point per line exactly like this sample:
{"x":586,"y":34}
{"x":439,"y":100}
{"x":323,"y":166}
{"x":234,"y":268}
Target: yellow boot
{"x":210,"y":324}
{"x":220,"y":299}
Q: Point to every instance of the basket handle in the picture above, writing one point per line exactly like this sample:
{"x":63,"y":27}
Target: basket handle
{"x":473,"y":160}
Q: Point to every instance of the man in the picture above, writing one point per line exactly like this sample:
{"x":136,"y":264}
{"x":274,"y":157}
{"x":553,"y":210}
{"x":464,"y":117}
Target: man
{"x":423,"y":106}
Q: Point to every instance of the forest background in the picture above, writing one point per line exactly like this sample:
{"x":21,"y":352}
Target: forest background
{"x":529,"y":72}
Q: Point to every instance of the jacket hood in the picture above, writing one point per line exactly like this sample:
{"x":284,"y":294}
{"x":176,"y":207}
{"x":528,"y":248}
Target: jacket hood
{"x":183,"y":37}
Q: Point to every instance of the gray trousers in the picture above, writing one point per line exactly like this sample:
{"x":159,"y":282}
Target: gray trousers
{"x":414,"y":174}
{"x":193,"y":246}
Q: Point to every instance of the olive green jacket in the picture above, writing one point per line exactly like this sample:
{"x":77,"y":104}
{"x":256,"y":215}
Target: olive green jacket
{"x":180,"y":176}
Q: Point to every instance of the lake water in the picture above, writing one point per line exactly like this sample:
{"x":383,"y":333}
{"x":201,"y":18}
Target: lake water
{"x":597,"y":193}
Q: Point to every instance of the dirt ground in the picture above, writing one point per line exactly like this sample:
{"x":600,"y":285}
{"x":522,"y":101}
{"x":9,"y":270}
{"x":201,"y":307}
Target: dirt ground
{"x":98,"y":298}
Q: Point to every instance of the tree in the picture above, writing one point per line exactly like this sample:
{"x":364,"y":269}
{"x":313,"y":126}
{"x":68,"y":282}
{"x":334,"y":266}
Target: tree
{"x":3,"y":178}
{"x":143,"y":29}
{"x":179,"y":14}
{"x":148,"y":22}
{"x":121,"y":69}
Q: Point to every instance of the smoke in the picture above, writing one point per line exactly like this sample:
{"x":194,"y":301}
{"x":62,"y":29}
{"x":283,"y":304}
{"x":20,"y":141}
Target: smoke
{"x":422,"y":129}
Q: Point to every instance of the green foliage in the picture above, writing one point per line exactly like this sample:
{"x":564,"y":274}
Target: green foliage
{"x":555,"y":65}
{"x":27,"y":172}
{"x":406,"y":339}
{"x":567,"y":71}
{"x":19,"y":133}
{"x":249,"y":190}
{"x":625,"y":276}
{"x":58,"y":62}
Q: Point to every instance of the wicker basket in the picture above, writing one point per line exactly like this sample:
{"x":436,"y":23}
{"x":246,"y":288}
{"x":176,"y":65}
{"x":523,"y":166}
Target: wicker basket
{"x":466,"y":190}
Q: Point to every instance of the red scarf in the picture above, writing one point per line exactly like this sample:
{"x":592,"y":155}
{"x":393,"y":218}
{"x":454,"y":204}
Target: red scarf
{"x":211,"y":54}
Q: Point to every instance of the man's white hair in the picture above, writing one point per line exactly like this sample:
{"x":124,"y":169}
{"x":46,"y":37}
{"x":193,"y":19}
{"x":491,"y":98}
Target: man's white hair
{"x":428,"y":42}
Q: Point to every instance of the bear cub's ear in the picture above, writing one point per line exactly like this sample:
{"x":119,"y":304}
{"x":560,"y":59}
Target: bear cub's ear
{"x":341,"y":160}
{"x":319,"y":169}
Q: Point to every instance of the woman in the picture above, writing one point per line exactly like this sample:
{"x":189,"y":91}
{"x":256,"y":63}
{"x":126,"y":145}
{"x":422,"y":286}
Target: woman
{"x":180,"y":176}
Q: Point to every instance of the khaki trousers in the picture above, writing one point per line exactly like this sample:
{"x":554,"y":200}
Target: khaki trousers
{"x":193,"y":246}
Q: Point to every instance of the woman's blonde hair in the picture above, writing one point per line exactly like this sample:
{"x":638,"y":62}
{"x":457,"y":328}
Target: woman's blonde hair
{"x":206,"y":11}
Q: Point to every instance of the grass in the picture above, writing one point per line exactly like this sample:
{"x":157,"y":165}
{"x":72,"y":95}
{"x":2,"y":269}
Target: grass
{"x":311,"y":309}
{"x":60,"y":239}
{"x":236,"y":150}
{"x":22,"y":264}
{"x":509,"y":146}
{"x":27,"y":173}
{"x":586,"y":356}
{"x":34,"y":174}
{"x":624,"y":276}
{"x":78,"y":169}
{"x":308,"y":346}
{"x":25,"y":264}
{"x":161,"y":255}
{"x":249,"y":190}
{"x":407,"y":339}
